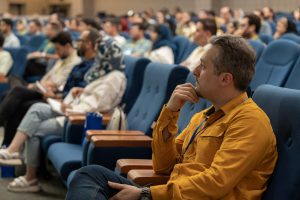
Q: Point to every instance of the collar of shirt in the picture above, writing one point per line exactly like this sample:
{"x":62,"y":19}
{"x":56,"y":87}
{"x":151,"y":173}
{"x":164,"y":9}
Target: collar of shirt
{"x":213,"y":116}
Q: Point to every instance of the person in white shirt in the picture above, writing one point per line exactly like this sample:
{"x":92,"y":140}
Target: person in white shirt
{"x":163,"y":48}
{"x":6,"y":28}
{"x":205,"y":29}
{"x":110,"y":27}
{"x":6,"y":60}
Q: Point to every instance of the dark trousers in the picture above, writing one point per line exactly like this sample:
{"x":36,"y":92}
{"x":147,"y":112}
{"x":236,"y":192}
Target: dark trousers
{"x":90,"y":183}
{"x":15,"y":105}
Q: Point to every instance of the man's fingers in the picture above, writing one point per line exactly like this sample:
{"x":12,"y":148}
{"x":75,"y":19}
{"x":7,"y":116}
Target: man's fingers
{"x":116,"y":186}
{"x":191,"y":94}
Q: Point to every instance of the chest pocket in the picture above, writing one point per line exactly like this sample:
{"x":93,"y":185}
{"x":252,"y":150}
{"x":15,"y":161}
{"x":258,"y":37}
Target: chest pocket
{"x":208,"y":143}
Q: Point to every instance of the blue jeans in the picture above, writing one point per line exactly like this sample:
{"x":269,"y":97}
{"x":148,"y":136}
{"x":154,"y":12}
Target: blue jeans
{"x":90,"y":183}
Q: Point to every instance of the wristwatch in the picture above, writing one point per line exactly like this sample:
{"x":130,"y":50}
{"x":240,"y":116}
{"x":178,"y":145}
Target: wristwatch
{"x":145,"y":194}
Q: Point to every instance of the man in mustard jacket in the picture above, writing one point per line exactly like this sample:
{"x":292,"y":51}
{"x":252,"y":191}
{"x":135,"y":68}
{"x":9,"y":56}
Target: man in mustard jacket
{"x":226,"y":152}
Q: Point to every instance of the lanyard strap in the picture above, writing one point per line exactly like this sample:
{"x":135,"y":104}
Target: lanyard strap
{"x":195,"y":134}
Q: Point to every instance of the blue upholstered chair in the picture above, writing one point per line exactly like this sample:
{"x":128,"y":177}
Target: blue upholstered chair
{"x":292,"y":37}
{"x":276,"y":63}
{"x":293,"y":80}
{"x":159,"y":82}
{"x":282,"y":105}
{"x":265,"y":38}
{"x":258,"y":46}
{"x":183,"y":48}
{"x":19,"y":56}
{"x":35,"y":42}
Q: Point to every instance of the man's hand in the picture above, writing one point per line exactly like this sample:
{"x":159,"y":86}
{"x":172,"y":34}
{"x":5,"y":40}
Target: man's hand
{"x":126,"y":191}
{"x":64,"y":107}
{"x":35,"y":54}
{"x":76,"y":91}
{"x":181,"y":94}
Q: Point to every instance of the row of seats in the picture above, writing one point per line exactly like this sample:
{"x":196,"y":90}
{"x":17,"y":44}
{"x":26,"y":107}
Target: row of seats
{"x":157,"y":85}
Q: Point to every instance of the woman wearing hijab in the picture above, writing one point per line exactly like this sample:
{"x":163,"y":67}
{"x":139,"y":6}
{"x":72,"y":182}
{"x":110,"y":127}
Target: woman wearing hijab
{"x":106,"y":88}
{"x":162,"y":48}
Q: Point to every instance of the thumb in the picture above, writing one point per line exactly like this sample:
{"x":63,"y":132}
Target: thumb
{"x":116,"y":186}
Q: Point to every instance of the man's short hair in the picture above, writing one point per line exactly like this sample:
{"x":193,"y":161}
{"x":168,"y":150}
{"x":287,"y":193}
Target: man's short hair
{"x":1,"y":40}
{"x":8,"y":22}
{"x":253,"y":20}
{"x":63,"y":38}
{"x":236,"y":57}
{"x":209,"y":25}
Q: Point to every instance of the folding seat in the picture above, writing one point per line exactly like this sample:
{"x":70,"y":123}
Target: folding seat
{"x":35,"y":42}
{"x":276,"y":63}
{"x":258,"y":46}
{"x":293,"y":80}
{"x":292,"y":37}
{"x":282,"y":105}
{"x":19,"y":56}
{"x":265,"y":38}
{"x":183,"y":48}
{"x":159,"y":82}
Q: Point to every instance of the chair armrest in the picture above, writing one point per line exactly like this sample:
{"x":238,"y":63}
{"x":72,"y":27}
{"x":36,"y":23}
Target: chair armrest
{"x":147,"y":177}
{"x":121,"y":141}
{"x":80,"y":119}
{"x":125,"y":165}
{"x":91,"y":133}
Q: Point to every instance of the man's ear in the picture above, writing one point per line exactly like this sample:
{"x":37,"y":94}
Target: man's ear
{"x":226,"y":79}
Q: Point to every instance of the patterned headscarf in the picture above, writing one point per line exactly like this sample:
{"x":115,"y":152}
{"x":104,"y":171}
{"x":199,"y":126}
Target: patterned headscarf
{"x":108,"y":59}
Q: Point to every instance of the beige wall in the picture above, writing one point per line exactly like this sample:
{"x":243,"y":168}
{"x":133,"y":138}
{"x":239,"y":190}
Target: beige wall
{"x":91,"y":7}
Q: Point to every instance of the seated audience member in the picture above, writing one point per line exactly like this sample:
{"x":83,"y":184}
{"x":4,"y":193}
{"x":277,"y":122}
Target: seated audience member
{"x":102,"y":95}
{"x":268,"y":14}
{"x":86,"y":49}
{"x":111,"y":28}
{"x":296,"y":14}
{"x":284,"y":25}
{"x":185,"y":26}
{"x":232,"y":27}
{"x":205,"y":29}
{"x":21,"y":26}
{"x":6,"y":60}
{"x":249,"y":27}
{"x":37,"y":61}
{"x":162,"y":46}
{"x":11,"y":39}
{"x":138,"y":45}
{"x":34,"y":28}
{"x":53,"y":81}
{"x":265,"y":27}
{"x":227,"y":151}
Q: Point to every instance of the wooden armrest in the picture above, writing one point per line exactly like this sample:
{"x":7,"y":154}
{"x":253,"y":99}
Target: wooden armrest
{"x":121,"y":141}
{"x":125,"y":165}
{"x":80,"y":119}
{"x":91,"y":133}
{"x":147,"y":177}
